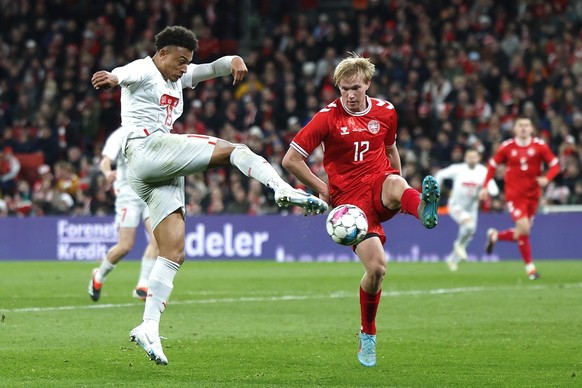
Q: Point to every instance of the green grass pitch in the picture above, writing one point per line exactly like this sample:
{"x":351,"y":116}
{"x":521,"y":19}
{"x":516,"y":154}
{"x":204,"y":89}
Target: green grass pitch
{"x":246,"y":324}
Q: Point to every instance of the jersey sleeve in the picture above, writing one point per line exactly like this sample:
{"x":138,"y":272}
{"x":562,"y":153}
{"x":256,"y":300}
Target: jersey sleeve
{"x":500,"y":156}
{"x":552,"y":161}
{"x":131,"y":73}
{"x":312,"y":135}
{"x":392,"y":122}
{"x":112,"y":145}
{"x":197,"y":73}
{"x":446,"y":173}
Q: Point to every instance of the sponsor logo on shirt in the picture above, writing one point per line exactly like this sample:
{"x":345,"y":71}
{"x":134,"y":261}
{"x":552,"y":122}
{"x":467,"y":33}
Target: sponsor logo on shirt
{"x":344,"y":131}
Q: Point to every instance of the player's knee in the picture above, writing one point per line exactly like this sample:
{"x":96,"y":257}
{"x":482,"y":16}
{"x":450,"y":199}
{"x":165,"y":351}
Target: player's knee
{"x":377,"y":271}
{"x":239,"y":152}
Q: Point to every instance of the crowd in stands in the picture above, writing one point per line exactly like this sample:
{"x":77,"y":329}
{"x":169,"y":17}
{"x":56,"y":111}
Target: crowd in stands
{"x":457,"y":71}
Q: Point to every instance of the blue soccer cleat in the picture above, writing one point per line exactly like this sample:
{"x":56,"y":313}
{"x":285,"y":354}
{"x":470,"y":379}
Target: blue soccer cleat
{"x":429,"y":202}
{"x":367,"y":349}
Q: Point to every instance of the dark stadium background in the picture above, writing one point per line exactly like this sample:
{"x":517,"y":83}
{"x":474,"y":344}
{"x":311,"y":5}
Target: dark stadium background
{"x":457,"y":71}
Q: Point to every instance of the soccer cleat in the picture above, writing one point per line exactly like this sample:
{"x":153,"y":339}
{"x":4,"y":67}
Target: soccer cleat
{"x":95,"y":287}
{"x":140,"y":293}
{"x":288,"y":196}
{"x":150,"y":343}
{"x":367,"y":349}
{"x":460,"y":251}
{"x":533,"y":275}
{"x":452,"y":263}
{"x":429,"y":202}
{"x":492,"y":234}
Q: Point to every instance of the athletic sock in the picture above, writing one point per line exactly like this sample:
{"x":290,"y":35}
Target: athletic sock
{"x":505,"y":235}
{"x":466,"y":233}
{"x":368,"y":308}
{"x":104,"y":270}
{"x":147,"y":264}
{"x":410,"y":200}
{"x":257,"y":167}
{"x":529,"y":268}
{"x":160,"y":285}
{"x":524,"y":248}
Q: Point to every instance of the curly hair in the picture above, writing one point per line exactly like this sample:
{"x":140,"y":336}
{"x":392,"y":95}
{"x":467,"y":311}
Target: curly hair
{"x":176,"y":36}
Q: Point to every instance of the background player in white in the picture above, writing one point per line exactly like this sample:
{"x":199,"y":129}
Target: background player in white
{"x":129,"y":209}
{"x":463,"y":201}
{"x":151,"y":101}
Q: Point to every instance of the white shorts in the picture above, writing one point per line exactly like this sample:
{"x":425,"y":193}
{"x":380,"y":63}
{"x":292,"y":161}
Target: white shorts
{"x":158,"y":164}
{"x":129,"y":208}
{"x":459,"y":214}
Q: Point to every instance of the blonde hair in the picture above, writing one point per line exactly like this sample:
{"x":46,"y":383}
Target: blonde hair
{"x":354,"y":65}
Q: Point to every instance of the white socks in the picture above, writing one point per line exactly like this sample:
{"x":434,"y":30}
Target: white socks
{"x":104,"y":270}
{"x":255,"y":166}
{"x":160,"y":285}
{"x":466,"y":233}
{"x":147,"y":264}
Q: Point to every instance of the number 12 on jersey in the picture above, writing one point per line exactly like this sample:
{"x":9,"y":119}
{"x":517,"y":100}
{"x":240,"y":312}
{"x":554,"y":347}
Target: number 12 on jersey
{"x":360,"y":148}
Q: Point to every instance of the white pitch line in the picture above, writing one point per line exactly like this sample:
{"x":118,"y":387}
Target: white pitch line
{"x":334,"y":295}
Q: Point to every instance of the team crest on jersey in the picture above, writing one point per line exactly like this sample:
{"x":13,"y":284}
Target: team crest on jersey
{"x":530,"y":152}
{"x":513,"y":152}
{"x":374,"y":127}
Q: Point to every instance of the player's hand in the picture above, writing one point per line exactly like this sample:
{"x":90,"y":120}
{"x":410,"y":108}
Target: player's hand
{"x":483,"y":194}
{"x":542,"y":181}
{"x":111,"y":177}
{"x":104,"y":80}
{"x":238,"y":69}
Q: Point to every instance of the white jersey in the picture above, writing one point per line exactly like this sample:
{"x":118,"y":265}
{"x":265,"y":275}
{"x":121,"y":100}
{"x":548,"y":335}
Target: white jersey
{"x":148,"y":101}
{"x":467,"y":183}
{"x":112,"y":150}
{"x":157,"y":159}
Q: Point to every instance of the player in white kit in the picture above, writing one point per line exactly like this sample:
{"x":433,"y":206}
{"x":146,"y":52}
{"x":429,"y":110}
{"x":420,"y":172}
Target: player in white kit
{"x":129,"y":210}
{"x":463,"y":202}
{"x":151,"y":101}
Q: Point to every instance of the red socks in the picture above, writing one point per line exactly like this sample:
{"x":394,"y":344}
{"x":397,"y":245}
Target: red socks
{"x":522,"y":243}
{"x":505,"y":235}
{"x":409,"y":201}
{"x":368,"y":308}
{"x":524,"y":248}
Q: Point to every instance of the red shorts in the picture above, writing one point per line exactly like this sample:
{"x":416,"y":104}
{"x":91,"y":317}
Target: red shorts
{"x":369,"y":199}
{"x":522,"y":207}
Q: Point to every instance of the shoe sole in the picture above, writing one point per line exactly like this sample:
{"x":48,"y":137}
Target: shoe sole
{"x":430,"y":197}
{"x":140,"y":294}
{"x":133,"y":337}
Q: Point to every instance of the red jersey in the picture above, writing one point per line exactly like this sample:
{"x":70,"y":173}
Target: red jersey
{"x":354,"y":144}
{"x":523,"y":166}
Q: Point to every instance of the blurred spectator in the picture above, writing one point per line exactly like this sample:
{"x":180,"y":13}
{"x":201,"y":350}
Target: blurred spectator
{"x":457,"y":72}
{"x":9,"y":169}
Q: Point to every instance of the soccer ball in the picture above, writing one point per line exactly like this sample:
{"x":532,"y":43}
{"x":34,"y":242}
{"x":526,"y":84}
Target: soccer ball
{"x":347,"y":224}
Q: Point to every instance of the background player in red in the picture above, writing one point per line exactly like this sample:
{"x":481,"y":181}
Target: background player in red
{"x":523,"y":156}
{"x":358,"y":136}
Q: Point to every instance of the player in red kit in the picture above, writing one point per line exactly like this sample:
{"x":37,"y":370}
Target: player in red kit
{"x":358,"y":136}
{"x":523,"y":157}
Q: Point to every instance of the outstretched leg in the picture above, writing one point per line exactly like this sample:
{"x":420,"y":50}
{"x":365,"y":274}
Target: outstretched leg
{"x":255,"y":166}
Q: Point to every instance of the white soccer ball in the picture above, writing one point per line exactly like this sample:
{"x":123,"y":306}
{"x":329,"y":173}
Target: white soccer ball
{"x":347,"y":224}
